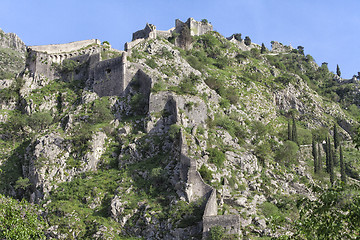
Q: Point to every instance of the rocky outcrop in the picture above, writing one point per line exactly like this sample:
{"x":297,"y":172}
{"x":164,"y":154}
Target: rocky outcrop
{"x":48,"y":162}
{"x":277,"y":47}
{"x":12,"y":41}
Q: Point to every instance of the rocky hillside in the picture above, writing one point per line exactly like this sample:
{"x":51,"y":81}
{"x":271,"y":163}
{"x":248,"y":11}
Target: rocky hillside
{"x":185,"y":135}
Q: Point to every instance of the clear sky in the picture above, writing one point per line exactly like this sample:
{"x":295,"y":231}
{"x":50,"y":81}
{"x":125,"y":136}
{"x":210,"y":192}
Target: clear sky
{"x":327,"y":29}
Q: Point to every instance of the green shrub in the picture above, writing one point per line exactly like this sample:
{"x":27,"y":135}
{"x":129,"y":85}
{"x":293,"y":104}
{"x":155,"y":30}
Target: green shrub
{"x":188,"y":85}
{"x":287,"y":153}
{"x":205,"y":173}
{"x":151,"y":63}
{"x":174,"y":131}
{"x":216,"y":233}
{"x":101,"y":111}
{"x":216,"y":157}
{"x":19,"y":220}
{"x":304,"y":136}
{"x":137,"y":103}
{"x":40,"y":120}
{"x":69,"y":65}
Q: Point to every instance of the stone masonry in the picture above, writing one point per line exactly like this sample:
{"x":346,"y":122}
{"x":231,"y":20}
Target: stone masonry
{"x":196,"y":188}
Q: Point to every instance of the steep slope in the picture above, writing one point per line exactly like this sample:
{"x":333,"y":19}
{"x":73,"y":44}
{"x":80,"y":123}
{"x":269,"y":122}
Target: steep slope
{"x":179,"y":136}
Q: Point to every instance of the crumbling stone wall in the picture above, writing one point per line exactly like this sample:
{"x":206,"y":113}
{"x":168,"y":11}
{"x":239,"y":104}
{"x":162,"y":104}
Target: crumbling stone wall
{"x":196,"y":188}
{"x":231,"y":223}
{"x":148,"y":32}
{"x":196,"y":28}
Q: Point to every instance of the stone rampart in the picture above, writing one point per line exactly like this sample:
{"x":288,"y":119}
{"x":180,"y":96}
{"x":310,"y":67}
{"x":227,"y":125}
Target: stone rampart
{"x":64,"y":48}
{"x":231,"y":224}
{"x":196,"y":28}
{"x":148,"y":32}
{"x":197,"y":188}
{"x":109,"y":77}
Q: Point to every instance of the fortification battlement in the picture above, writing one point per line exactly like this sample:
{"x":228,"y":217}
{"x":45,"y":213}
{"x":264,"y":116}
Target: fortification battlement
{"x":150,"y":31}
{"x":196,"y":28}
{"x":64,"y":48}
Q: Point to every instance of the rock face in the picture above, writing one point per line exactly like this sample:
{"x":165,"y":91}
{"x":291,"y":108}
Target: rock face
{"x":47,"y":163}
{"x":277,"y":47}
{"x":12,"y":41}
{"x":12,"y":55}
{"x":49,"y":157}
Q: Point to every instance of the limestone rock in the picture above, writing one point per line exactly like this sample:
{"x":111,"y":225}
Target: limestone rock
{"x":11,"y":40}
{"x":92,"y":158}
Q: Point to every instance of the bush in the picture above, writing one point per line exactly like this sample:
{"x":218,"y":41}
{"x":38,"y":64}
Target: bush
{"x":216,"y":157}
{"x":19,"y":220}
{"x":151,"y":63}
{"x":40,"y":120}
{"x":188,"y":85}
{"x":287,"y":153}
{"x":304,"y":136}
{"x":174,"y":131}
{"x":101,"y":111}
{"x":69,"y":65}
{"x":216,"y":233}
{"x":205,"y":173}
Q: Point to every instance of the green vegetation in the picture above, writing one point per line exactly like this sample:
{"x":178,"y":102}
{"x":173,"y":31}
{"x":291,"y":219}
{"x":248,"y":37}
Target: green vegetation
{"x":20,"y":220}
{"x":335,"y":215}
{"x":216,"y":157}
{"x":205,"y":173}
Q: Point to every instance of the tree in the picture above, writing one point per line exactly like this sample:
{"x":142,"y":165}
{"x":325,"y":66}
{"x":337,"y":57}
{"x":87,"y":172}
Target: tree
{"x":287,"y":153}
{"x":342,"y":166}
{"x":331,"y":163}
{"x":334,"y":215}
{"x":319,"y":158}
{"x":237,"y":36}
{"x":301,"y":50}
{"x":263,"y":48}
{"x":294,"y":132}
{"x":338,"y":72}
{"x":289,"y":131}
{"x":247,"y":41}
{"x":315,"y":154}
{"x":336,"y":137}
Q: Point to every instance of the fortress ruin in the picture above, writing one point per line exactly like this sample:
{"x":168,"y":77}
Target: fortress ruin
{"x":111,"y":77}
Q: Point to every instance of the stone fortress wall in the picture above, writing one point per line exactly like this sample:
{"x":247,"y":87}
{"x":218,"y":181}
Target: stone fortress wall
{"x":64,"y":48}
{"x":150,"y":31}
{"x":196,"y":188}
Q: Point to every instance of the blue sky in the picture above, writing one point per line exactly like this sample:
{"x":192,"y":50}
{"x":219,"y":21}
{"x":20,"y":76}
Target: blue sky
{"x":327,"y":29}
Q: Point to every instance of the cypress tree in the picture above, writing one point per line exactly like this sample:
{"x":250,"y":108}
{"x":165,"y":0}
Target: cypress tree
{"x":315,"y":154}
{"x":342,"y":166}
{"x":338,"y":72}
{"x":294,"y":132}
{"x":331,"y":165}
{"x":328,"y":154}
{"x":289,"y":131}
{"x":263,"y":48}
{"x":336,"y":137}
{"x":319,"y":162}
